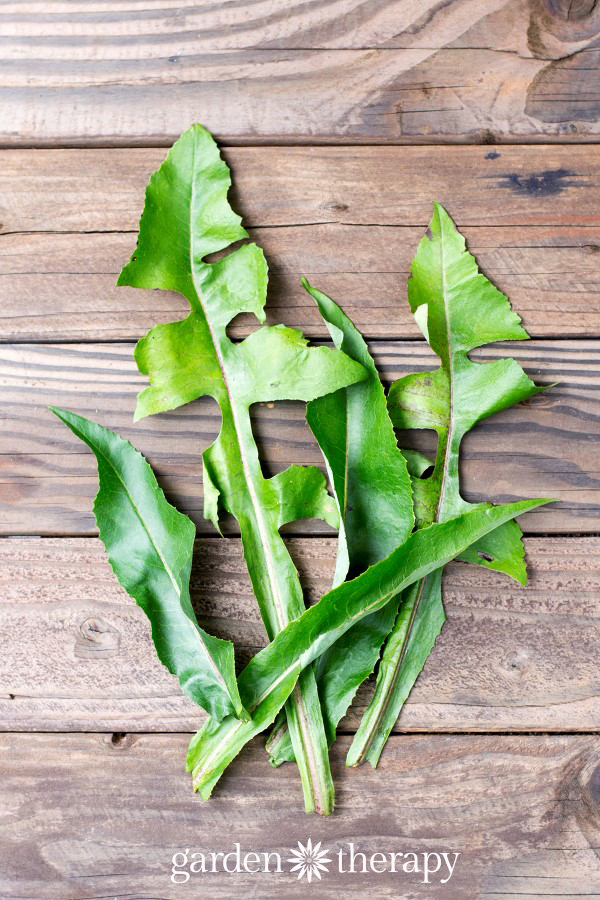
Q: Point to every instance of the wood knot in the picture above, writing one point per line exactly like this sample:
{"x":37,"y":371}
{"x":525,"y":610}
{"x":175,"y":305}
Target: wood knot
{"x":582,"y":782}
{"x":336,"y":206}
{"x":120,"y":740}
{"x":486,"y":136}
{"x":593,"y":787}
{"x":560,"y":28}
{"x":541,"y":401}
{"x":517,"y":662}
{"x":569,"y":10}
{"x":96,"y":639}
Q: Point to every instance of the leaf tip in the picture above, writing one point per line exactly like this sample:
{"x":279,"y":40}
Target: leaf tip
{"x":63,"y":414}
{"x":530,"y":505}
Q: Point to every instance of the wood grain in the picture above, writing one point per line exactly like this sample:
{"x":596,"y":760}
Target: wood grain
{"x":86,"y":816}
{"x":48,"y":480}
{"x":63,"y":286}
{"x":508,"y":659}
{"x":99,"y":815}
{"x":348,"y":218}
{"x":103,"y":190}
{"x":564,"y":25}
{"x":470,"y":70}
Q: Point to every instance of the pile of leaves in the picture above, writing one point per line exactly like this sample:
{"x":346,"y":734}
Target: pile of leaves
{"x":400,"y":516}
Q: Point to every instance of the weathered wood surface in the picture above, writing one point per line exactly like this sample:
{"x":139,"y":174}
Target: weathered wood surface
{"x":547,"y":448}
{"x":348,"y":218}
{"x":470,"y":70}
{"x":88,"y":816}
{"x":552,"y":276}
{"x":103,"y":190}
{"x":81,"y":656}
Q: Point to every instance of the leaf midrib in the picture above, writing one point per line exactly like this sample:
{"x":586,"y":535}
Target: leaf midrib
{"x":143,"y":523}
{"x":256,"y":506}
{"x":449,"y":431}
{"x":234,"y":415}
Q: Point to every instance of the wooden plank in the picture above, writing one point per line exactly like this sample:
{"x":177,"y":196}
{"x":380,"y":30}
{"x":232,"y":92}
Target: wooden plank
{"x":90,"y":817}
{"x":349,"y":218}
{"x":507,"y":660}
{"x":550,"y":274}
{"x":103,"y":190}
{"x":126,"y":31}
{"x":48,"y":479}
{"x":470,"y":70}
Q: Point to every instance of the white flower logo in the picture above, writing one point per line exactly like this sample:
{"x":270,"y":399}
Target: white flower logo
{"x":309,"y":860}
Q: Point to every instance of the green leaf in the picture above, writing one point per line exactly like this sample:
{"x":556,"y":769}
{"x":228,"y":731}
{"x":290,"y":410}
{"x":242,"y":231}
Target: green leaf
{"x":372,"y":488}
{"x":355,"y":433}
{"x":149,"y":546}
{"x":458,"y":309}
{"x":269,"y":678}
{"x":186,"y":217}
{"x":412,"y":639}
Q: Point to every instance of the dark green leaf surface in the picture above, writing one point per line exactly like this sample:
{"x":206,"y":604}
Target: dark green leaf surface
{"x":186,"y":217}
{"x":372,"y":488}
{"x":269,"y":678}
{"x":458,"y":309}
{"x":149,"y":545}
{"x":355,"y":433}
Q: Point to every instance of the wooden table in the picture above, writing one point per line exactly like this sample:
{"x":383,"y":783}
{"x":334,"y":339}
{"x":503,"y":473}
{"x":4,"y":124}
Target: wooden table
{"x":342,"y":122}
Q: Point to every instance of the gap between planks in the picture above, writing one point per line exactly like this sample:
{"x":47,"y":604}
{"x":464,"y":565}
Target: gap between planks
{"x":239,"y":143}
{"x":340,"y":732}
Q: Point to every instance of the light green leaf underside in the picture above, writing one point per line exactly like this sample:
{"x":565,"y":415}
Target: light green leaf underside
{"x":186,"y":216}
{"x":463,"y":311}
{"x":149,"y":545}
